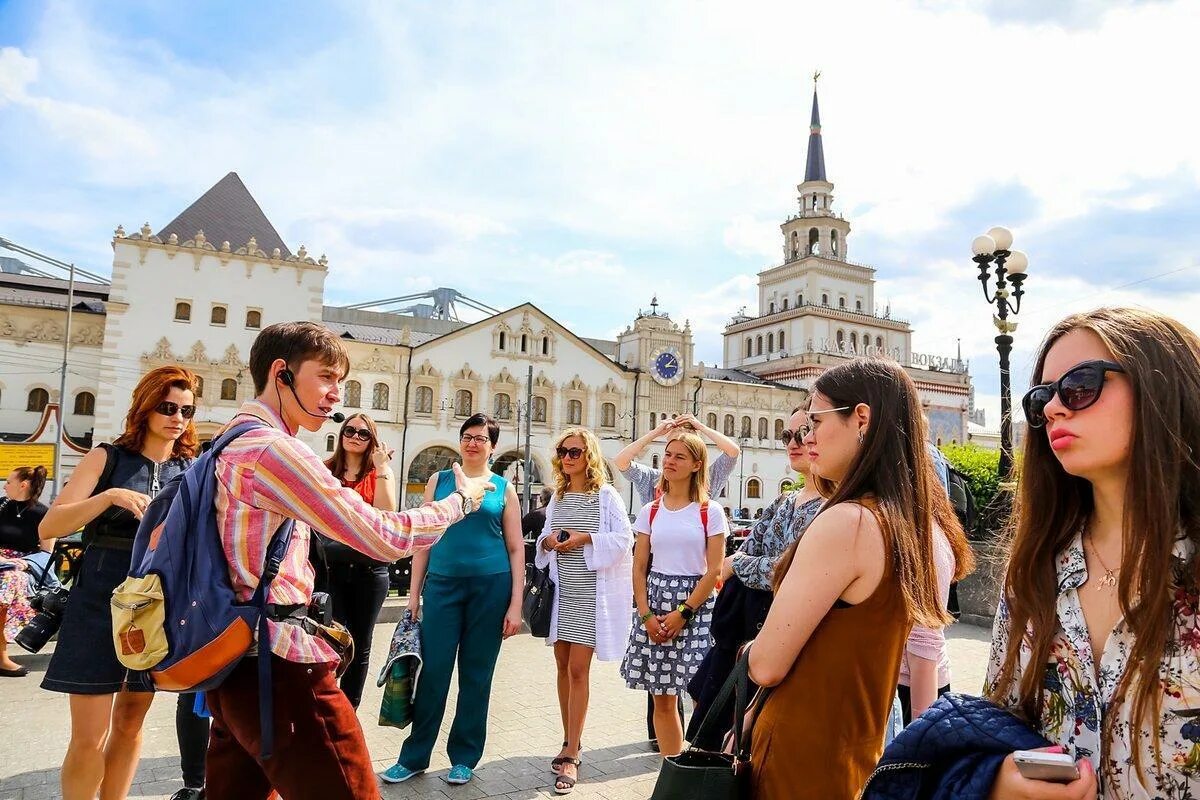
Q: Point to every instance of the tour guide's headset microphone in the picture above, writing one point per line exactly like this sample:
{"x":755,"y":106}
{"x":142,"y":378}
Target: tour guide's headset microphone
{"x":289,"y":380}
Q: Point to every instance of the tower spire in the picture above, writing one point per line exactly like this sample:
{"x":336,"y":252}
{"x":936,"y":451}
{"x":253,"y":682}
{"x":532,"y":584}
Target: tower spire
{"x":814,"y":169}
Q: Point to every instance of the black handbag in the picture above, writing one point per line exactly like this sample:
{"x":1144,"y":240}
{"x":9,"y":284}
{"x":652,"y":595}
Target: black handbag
{"x":537,"y":605}
{"x":697,"y":774}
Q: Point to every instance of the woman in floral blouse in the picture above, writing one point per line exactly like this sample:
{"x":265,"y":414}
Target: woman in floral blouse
{"x":1097,"y":642}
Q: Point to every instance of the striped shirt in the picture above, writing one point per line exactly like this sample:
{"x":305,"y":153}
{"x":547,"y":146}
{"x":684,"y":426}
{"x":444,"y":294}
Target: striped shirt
{"x":266,"y":476}
{"x":577,"y":511}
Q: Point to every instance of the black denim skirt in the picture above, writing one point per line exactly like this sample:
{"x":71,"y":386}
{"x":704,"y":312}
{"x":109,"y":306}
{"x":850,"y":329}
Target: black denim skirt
{"x":84,"y":659}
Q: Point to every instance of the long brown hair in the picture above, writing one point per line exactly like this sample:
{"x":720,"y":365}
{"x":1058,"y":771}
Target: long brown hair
{"x":894,"y":470}
{"x":1161,"y":358}
{"x":337,"y":463}
{"x":151,"y":390}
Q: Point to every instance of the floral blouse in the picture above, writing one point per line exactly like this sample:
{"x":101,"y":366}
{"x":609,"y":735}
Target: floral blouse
{"x":781,"y":524}
{"x":1074,"y":702}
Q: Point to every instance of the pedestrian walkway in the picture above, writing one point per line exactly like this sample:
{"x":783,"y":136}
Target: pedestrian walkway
{"x":524,"y":732}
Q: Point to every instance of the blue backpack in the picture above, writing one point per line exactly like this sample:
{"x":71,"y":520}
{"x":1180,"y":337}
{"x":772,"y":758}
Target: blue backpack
{"x":176,"y":617}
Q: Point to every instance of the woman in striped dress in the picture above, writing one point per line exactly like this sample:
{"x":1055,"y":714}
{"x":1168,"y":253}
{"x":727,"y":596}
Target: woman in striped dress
{"x":586,"y":544}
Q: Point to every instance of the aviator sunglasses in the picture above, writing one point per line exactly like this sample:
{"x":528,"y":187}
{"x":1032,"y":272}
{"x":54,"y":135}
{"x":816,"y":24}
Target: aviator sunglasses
{"x":1077,"y":389}
{"x":572,"y":452}
{"x":168,"y":409}
{"x":351,"y":432}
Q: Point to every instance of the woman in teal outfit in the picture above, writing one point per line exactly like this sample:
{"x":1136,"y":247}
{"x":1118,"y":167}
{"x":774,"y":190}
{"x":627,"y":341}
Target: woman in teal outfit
{"x":471,"y":582}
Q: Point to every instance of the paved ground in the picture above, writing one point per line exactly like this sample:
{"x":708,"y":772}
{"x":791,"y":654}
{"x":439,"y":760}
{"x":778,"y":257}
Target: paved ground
{"x":524,"y":732}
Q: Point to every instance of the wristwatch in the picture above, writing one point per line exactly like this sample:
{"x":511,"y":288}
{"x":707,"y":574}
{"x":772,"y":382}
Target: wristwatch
{"x":468,"y":505}
{"x":686,"y":612}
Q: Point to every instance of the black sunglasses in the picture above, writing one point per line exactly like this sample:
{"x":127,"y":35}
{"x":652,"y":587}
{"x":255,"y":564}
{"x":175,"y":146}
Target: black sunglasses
{"x":169,"y":409}
{"x":351,"y":432}
{"x":798,"y":434}
{"x":573,"y":452}
{"x":1078,"y":388}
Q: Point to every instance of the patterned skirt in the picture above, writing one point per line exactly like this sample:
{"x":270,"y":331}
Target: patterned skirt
{"x":667,"y":668}
{"x":14,"y":589}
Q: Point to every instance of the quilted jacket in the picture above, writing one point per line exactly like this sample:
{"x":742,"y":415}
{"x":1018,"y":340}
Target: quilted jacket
{"x":953,"y":750}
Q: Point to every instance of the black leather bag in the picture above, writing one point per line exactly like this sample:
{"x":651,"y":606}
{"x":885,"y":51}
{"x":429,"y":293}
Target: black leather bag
{"x":537,"y":606}
{"x":697,"y":774}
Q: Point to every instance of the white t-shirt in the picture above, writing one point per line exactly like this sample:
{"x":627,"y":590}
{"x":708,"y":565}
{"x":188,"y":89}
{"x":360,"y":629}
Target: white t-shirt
{"x":676,"y":543}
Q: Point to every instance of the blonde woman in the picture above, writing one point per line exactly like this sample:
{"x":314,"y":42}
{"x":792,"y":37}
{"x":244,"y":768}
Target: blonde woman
{"x":585,"y":543}
{"x":685,"y":535}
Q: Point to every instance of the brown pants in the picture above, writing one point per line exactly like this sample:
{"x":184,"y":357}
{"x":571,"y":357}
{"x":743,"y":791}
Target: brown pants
{"x":319,"y":749}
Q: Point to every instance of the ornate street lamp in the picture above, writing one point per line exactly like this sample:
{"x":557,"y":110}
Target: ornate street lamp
{"x":993,"y":254}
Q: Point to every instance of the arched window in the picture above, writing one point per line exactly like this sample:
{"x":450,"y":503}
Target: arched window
{"x":424,"y":404}
{"x":502,"y":405}
{"x":758,"y":345}
{"x":462,"y":403}
{"x":795,"y":244}
{"x":85,"y":403}
{"x":762,"y":427}
{"x":781,"y":340}
{"x":429,"y":461}
{"x":574,"y":412}
{"x":771,"y":307}
{"x":813,"y":238}
{"x":502,"y":340}
{"x":783,"y":485}
{"x":330,"y":441}
{"x":879,"y":342}
{"x":728,"y":427}
{"x":353,"y":394}
{"x":746,"y":423}
{"x":785,"y":302}
{"x":770,"y":343}
{"x":858,"y":305}
{"x":608,"y":415}
{"x":711,"y":421}
{"x":218,"y":315}
{"x":653,"y":420}
{"x":824,"y":299}
{"x":253,"y":319}
{"x":754,"y":489}
{"x":38,"y":400}
{"x":841,"y":338}
{"x":778,"y":428}
{"x":546,"y":346}
{"x":749,"y":347}
{"x":183,"y":312}
{"x":524,"y":343}
{"x":654,"y":462}
{"x":199,"y":387}
{"x":841,"y":302}
{"x":854,"y":341}
{"x":833,"y":242}
{"x":229,"y":389}
{"x":380,"y":395}
{"x":800,"y":299}
{"x":539,"y":409}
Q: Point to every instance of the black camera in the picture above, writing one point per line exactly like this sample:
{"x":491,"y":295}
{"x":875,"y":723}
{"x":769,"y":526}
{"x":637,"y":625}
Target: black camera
{"x":50,"y":604}
{"x":321,"y":608}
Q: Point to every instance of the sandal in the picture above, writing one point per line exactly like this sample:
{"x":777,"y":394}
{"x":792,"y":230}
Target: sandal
{"x":556,"y":763}
{"x":567,"y":781}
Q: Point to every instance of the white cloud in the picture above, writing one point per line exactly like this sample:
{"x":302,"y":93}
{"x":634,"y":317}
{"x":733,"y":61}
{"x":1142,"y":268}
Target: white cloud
{"x":17,"y":71}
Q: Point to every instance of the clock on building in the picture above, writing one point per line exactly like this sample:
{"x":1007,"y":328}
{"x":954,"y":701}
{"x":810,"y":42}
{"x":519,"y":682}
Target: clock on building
{"x":665,"y":366}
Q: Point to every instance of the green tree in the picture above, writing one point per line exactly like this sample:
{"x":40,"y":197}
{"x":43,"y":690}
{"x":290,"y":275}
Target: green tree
{"x":980,"y":465}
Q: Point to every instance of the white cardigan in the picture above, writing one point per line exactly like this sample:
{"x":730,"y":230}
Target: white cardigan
{"x":610,"y":555}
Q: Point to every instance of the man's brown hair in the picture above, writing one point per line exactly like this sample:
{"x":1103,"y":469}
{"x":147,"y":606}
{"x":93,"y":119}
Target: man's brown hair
{"x":295,"y":343}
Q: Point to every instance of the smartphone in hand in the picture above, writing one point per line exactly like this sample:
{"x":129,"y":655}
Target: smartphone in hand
{"x":1037,"y":765}
{"x":563,"y":536}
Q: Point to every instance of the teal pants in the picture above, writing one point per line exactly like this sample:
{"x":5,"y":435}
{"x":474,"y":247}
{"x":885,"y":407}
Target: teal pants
{"x":462,"y":620}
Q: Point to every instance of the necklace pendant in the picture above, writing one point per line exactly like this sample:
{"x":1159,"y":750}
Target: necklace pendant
{"x":1109,"y":581}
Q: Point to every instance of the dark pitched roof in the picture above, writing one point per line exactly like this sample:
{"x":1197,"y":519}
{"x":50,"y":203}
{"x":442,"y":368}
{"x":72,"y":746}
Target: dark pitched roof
{"x":227,"y":213}
{"x":814,"y":169}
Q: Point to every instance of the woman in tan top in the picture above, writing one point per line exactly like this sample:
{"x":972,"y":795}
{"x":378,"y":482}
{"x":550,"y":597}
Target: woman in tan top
{"x":849,"y":590}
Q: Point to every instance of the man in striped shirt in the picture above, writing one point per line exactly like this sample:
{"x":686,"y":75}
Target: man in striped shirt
{"x":267,"y":476}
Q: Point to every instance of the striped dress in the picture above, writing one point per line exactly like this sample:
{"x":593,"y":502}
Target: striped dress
{"x":576,"y":511}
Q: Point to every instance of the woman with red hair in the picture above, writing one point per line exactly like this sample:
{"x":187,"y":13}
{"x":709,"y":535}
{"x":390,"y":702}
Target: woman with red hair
{"x":107,"y":496}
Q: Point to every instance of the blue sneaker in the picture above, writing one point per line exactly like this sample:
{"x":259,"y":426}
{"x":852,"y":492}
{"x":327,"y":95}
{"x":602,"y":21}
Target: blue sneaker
{"x":459,"y":775}
{"x":398,"y":773}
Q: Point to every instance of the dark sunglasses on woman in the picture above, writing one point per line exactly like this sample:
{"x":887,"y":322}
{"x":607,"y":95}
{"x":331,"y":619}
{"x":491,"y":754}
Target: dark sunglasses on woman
{"x":1077,"y":389}
{"x":572,"y":452}
{"x":169,"y":409}
{"x":351,"y":432}
{"x":798,"y":434}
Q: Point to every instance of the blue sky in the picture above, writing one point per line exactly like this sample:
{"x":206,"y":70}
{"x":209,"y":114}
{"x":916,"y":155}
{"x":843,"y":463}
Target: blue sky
{"x":587,"y":156}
